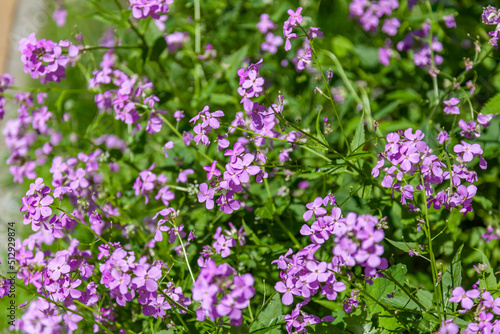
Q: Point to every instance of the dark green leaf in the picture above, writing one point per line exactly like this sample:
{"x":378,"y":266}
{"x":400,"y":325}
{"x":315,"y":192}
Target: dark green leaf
{"x":492,"y":106}
{"x":270,"y":317}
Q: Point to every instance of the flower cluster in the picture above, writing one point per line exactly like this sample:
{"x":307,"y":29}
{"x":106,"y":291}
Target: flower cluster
{"x":223,"y":243}
{"x":355,"y":240}
{"x":485,"y":315}
{"x":5,"y":285}
{"x":66,"y":277}
{"x":409,"y":154}
{"x":6,"y":81}
{"x":33,"y":121}
{"x":222,"y":292}
{"x":422,"y":51}
{"x":369,"y":14}
{"x":176,"y":40}
{"x":303,"y":55}
{"x":147,"y":181}
{"x":46,"y":59}
{"x":272,"y":41}
{"x":129,"y":93}
{"x":142,"y":9}
{"x":491,"y":16}
{"x":237,"y":174}
{"x":205,"y":122}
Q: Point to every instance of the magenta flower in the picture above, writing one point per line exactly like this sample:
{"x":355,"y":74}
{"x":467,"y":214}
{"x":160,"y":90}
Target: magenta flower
{"x":42,"y":209}
{"x":295,"y":17}
{"x":121,"y":281}
{"x":317,"y":272}
{"x":253,"y":82}
{"x":212,"y":170}
{"x":58,"y":266}
{"x":484,"y":120}
{"x":451,"y":106}
{"x":147,"y":278}
{"x":442,"y":137}
{"x":78,"y":179}
{"x":468,"y":151}
{"x":206,"y":194}
{"x":459,"y":295}
{"x":314,"y":207}
{"x":287,"y":290}
{"x":265,"y":24}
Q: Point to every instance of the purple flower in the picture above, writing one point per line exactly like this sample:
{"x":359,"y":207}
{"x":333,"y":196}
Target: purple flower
{"x":295,"y":17}
{"x":459,"y":295}
{"x":78,"y":179}
{"x":449,"y":21}
{"x":265,"y":24}
{"x":222,"y":246}
{"x":467,"y":150}
{"x":176,"y":40}
{"x":451,"y":106}
{"x":42,"y":209}
{"x":317,"y":272}
{"x":287,"y":290}
{"x":442,"y":137}
{"x":484,"y":120}
{"x":314,"y":207}
{"x":59,"y":16}
{"x":271,"y":43}
{"x":206,"y":194}
{"x":58,"y":266}
{"x":384,"y":56}
{"x":489,"y":235}
{"x":212,"y":170}
{"x":391,"y":26}
{"x":141,"y":9}
{"x":147,"y":278}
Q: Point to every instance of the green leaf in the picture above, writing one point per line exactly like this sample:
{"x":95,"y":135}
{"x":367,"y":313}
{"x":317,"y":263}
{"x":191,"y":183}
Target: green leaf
{"x":405,"y":246}
{"x":368,"y":55}
{"x":359,"y":324}
{"x":269,"y":318}
{"x":492,"y":106}
{"x":159,"y":46}
{"x":243,"y":329}
{"x":408,"y":95}
{"x":489,"y":281}
{"x":250,"y":233}
{"x":319,"y":133}
{"x":452,"y":278}
{"x":221,"y":99}
{"x":383,"y":286}
{"x":359,"y":135}
{"x":265,"y":211}
{"x":234,"y":61}
{"x":341,"y":45}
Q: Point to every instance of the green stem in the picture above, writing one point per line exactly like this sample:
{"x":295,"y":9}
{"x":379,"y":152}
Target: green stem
{"x":427,"y":229}
{"x":311,"y":43}
{"x":263,"y":305}
{"x":91,"y":48}
{"x":86,"y":226}
{"x":183,"y":249}
{"x":277,"y":218}
{"x":197,"y":27}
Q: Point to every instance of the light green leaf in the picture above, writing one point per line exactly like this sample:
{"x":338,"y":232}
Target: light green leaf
{"x":492,"y":106}
{"x":452,"y":278}
{"x":270,"y":316}
{"x":359,"y":135}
